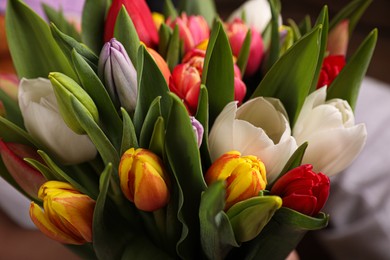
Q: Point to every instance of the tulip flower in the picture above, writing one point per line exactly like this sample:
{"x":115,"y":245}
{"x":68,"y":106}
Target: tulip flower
{"x":236,"y":32}
{"x":245,"y":176}
{"x":192,"y":29}
{"x":258,"y":127}
{"x":140,"y":15}
{"x":331,"y":67}
{"x":338,"y":39}
{"x":43,"y":121}
{"x":161,"y":63}
{"x":67,"y":214}
{"x":119,"y":75}
{"x":198,"y":130}
{"x":27,"y":177}
{"x":329,"y":127}
{"x":303,"y":190}
{"x":143,"y":179}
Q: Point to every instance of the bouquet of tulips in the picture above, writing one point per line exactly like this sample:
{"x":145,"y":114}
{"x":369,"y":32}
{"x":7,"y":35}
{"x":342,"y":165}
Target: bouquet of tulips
{"x":179,"y":135}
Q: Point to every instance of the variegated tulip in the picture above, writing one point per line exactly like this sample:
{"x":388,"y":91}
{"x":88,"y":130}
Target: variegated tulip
{"x":143,"y":179}
{"x":303,"y":190}
{"x":236,"y":31}
{"x":141,"y":16}
{"x":43,"y":121}
{"x":192,"y":29}
{"x":245,"y":176}
{"x":67,"y":214}
{"x":258,"y":127}
{"x":119,"y":75}
{"x":27,"y":177}
{"x":330,"y":130}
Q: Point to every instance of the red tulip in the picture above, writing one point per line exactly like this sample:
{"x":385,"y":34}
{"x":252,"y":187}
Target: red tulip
{"x":331,"y":67}
{"x":27,"y":177}
{"x":303,"y":190}
{"x":141,"y":16}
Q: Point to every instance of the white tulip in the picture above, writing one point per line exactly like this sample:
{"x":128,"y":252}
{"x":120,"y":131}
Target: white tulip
{"x":43,"y":121}
{"x":329,"y":128}
{"x":259,"y":127}
{"x":257,"y":14}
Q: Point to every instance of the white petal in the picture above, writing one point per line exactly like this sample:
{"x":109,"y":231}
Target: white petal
{"x":332,"y":151}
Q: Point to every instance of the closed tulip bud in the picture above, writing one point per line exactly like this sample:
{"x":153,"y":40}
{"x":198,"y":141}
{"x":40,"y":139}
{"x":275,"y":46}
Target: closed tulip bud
{"x":27,"y":177}
{"x":331,"y":67}
{"x":198,"y":130}
{"x":303,"y":190}
{"x":65,"y":87}
{"x":143,"y":179}
{"x":192,"y":30}
{"x":67,"y":214}
{"x":245,"y":176}
{"x":236,"y":32}
{"x":161,"y":63}
{"x":239,"y":86}
{"x":118,"y":74}
{"x":185,"y":83}
{"x":140,"y":15}
{"x":338,"y":39}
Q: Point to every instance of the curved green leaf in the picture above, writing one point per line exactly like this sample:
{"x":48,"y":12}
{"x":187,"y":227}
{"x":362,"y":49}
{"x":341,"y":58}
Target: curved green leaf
{"x":202,"y":115}
{"x":153,"y":114}
{"x":12,"y":109}
{"x":243,"y":56}
{"x":173,"y":50}
{"x":169,"y":10}
{"x":10,"y":132}
{"x":46,"y":171}
{"x":157,"y":140}
{"x":274,"y":49}
{"x":129,"y":138}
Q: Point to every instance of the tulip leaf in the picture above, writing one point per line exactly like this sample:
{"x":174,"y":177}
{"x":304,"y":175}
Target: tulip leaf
{"x":305,"y":25}
{"x":169,"y":10}
{"x":216,"y":232}
{"x":157,"y":139}
{"x":105,"y":148}
{"x":323,"y":19}
{"x":109,"y":117}
{"x":34,"y":51}
{"x":12,"y":109}
{"x":351,"y":12}
{"x":58,"y":18}
{"x":205,"y":8}
{"x":274,"y":49}
{"x":250,"y":216}
{"x":202,"y":115}
{"x":10,"y":132}
{"x":129,"y":138}
{"x":164,"y":34}
{"x":173,"y":51}
{"x":347,"y":83}
{"x":218,"y":72}
{"x":297,"y":66}
{"x":184,"y":159}
{"x":68,"y":44}
{"x":126,"y":33}
{"x":281,"y":235}
{"x":243,"y":56}
{"x":150,"y":119}
{"x":151,"y":84}
{"x":46,"y":171}
{"x":92,"y":23}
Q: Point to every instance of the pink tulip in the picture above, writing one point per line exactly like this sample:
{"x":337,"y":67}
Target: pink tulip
{"x":236,"y":32}
{"x":27,"y":177}
{"x":338,"y":39}
{"x":192,"y":30}
{"x":141,"y":16}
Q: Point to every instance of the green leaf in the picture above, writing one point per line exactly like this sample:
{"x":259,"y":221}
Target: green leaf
{"x":347,"y":84}
{"x":68,"y":44}
{"x":244,"y":52}
{"x":205,"y":8}
{"x":351,"y":12}
{"x":305,"y":25}
{"x":129,"y":138}
{"x":157,"y":139}
{"x":91,"y":83}
{"x":126,"y":33}
{"x":58,"y":18}
{"x":12,"y":109}
{"x":184,"y":159}
{"x":151,"y":84}
{"x":153,"y":114}
{"x":92,"y":23}
{"x":46,"y":171}
{"x":218,"y":72}
{"x":10,"y":132}
{"x":164,"y":34}
{"x":33,"y":49}
{"x":173,"y":51}
{"x":297,"y":66}
{"x":274,"y":49}
{"x":295,"y":29}
{"x":217,"y":235}
{"x":169,"y":10}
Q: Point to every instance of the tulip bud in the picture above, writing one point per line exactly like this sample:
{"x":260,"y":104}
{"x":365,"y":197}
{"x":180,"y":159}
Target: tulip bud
{"x":236,"y":32}
{"x":239,"y":86}
{"x":192,"y":30}
{"x":65,"y":87}
{"x":118,"y":73}
{"x":27,"y":177}
{"x":198,"y":130}
{"x":143,"y":179}
{"x":185,"y":83}
{"x":140,"y":15}
{"x":331,"y":67}
{"x":161,"y":63}
{"x":67,"y":214}
{"x":338,"y":39}
{"x":245,"y":176}
{"x":303,"y":190}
